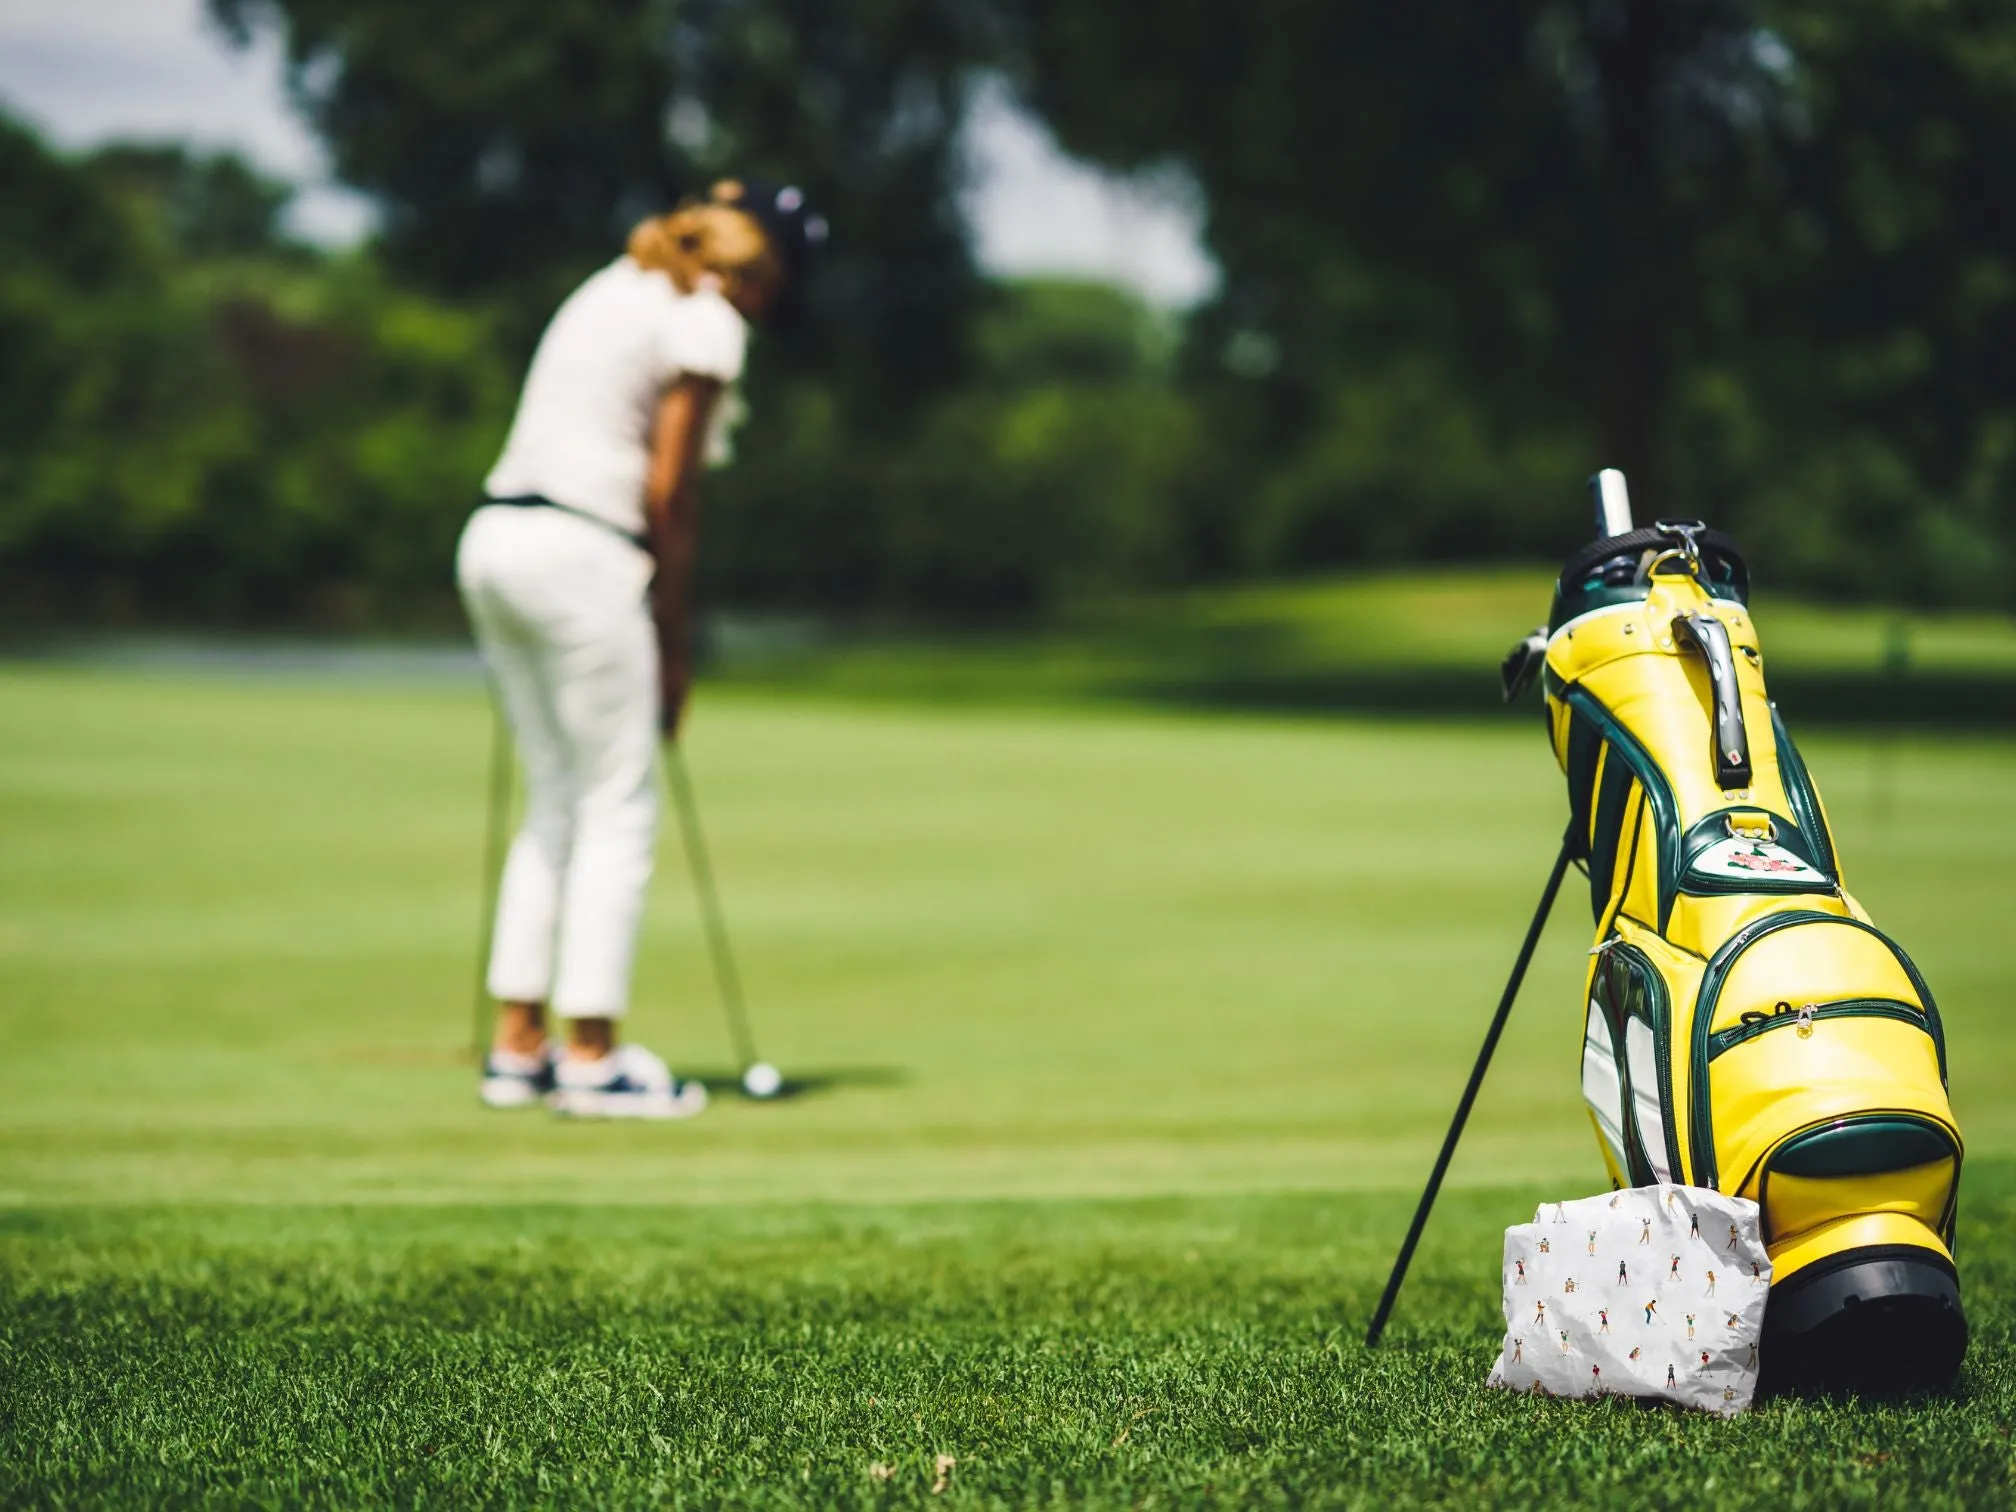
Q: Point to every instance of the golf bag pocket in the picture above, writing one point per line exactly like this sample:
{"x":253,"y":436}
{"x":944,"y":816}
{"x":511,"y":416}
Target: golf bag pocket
{"x":1832,"y":1108}
{"x":1715,"y":1074}
{"x":1628,"y":1071}
{"x":1655,"y":1292}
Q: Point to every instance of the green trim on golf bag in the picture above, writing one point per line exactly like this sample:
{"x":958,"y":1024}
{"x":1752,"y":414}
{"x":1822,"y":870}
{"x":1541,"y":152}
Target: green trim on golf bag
{"x":1748,"y":1028}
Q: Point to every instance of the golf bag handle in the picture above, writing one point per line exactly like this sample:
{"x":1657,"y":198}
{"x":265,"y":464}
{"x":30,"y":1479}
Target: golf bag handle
{"x":1731,"y":752}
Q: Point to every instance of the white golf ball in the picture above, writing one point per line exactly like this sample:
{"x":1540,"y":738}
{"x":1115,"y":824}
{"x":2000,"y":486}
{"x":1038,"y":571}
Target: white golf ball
{"x":762,"y":1080}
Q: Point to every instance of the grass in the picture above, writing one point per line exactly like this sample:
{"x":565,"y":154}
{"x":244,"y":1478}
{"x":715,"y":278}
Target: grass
{"x":1132,"y":1036}
{"x":1407,"y":642}
{"x":1172,"y":1352}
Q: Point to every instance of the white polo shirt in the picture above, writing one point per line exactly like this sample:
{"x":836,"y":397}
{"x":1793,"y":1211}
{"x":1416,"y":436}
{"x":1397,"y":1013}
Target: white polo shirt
{"x":582,"y":434}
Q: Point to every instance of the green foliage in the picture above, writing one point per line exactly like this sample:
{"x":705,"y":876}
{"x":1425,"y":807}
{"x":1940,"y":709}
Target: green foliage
{"x":210,"y":424}
{"x":204,"y":423}
{"x":1753,"y":251}
{"x":1050,"y":473}
{"x":190,"y":205}
{"x":1757,"y":252}
{"x":513,"y":144}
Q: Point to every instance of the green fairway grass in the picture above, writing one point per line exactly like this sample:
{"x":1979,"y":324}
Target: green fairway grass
{"x":1127,"y":1039}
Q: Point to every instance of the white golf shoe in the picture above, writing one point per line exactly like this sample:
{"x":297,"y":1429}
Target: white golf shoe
{"x":511,"y":1080}
{"x":629,"y":1082}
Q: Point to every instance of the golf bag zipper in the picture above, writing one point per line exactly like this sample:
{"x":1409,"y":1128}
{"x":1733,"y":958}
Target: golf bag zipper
{"x":1701,"y":1125}
{"x":1809,"y":1014}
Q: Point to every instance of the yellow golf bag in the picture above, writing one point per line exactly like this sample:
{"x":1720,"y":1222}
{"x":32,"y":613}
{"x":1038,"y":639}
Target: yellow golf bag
{"x":1748,"y":1028}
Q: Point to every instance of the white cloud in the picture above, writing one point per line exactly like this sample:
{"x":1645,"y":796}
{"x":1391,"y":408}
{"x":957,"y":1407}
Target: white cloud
{"x":1032,"y":209}
{"x":87,"y":71}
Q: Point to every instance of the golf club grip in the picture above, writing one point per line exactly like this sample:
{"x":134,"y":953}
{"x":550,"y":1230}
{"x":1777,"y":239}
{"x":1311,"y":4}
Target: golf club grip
{"x":1612,"y":502}
{"x":1491,"y":1037}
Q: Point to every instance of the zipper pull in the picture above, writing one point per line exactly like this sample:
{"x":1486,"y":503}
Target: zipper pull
{"x":1806,"y":1022}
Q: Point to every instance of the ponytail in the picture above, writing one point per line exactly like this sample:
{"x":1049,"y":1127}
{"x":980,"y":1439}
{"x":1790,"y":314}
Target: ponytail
{"x":700,"y":238}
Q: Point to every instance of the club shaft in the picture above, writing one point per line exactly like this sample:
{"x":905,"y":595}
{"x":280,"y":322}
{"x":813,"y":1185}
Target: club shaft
{"x":501,"y":774}
{"x":726,"y":977}
{"x":1498,"y":1020}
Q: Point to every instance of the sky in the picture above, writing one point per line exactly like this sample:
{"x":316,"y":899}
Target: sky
{"x":89,"y":71}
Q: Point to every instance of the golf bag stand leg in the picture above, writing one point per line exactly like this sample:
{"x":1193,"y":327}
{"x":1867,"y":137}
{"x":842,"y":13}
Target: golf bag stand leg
{"x":1497,"y":1028}
{"x":502,"y":774}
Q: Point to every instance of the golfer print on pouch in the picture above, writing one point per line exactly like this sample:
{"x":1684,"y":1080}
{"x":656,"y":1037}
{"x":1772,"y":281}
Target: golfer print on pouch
{"x":1622,"y":1328}
{"x":576,"y":571}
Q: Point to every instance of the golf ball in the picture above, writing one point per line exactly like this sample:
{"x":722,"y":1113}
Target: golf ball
{"x":762,"y":1080}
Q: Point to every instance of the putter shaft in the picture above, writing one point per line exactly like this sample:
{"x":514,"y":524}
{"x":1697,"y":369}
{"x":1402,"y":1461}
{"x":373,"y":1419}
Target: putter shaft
{"x":502,"y":771}
{"x":726,"y":977}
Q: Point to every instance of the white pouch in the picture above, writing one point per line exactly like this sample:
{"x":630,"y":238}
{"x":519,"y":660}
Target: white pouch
{"x":1652,"y":1292}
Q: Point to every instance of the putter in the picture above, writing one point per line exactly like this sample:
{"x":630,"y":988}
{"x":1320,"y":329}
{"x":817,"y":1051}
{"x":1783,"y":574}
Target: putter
{"x":502,"y":772}
{"x":1497,"y":1028}
{"x":760,"y":1079}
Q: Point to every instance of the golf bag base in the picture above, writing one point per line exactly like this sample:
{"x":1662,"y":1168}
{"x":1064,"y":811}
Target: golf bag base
{"x":1881,"y":1320}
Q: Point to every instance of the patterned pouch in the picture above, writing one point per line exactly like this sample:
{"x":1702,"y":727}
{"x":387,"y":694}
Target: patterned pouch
{"x":1653,"y":1292}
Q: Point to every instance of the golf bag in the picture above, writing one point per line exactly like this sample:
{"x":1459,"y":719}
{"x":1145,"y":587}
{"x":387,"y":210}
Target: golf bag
{"x":1748,"y":1028}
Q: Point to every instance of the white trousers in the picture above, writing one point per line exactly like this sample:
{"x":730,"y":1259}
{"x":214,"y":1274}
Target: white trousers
{"x":558,"y":604}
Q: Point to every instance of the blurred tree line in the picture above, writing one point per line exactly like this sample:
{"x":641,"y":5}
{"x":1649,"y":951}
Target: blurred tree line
{"x":1758,"y":252}
{"x":201,"y":422}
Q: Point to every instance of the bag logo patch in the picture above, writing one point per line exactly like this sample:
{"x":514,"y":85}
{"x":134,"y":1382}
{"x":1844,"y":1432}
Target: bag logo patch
{"x":1748,"y":860}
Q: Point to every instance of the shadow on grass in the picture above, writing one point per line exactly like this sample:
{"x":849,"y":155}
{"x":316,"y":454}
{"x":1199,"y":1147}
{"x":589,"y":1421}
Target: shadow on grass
{"x":1285,"y":664}
{"x":1871,"y":701}
{"x":799,"y":1084}
{"x":1274,"y":668}
{"x":1267,"y":669}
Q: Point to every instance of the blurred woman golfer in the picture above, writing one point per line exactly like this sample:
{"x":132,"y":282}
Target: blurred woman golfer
{"x":575,"y":572}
